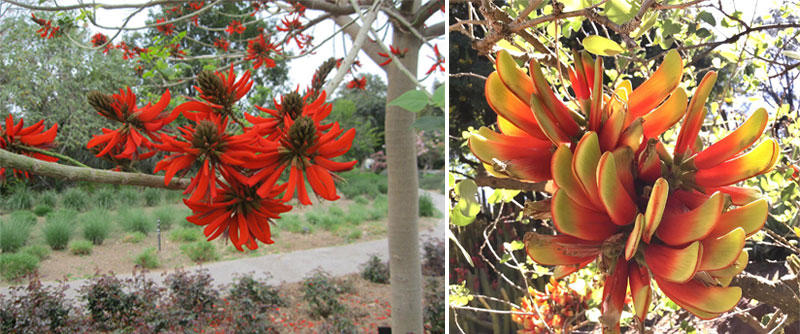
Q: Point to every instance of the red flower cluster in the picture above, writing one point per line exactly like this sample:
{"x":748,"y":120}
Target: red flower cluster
{"x":166,"y":29}
{"x":293,"y":27}
{"x":99,"y":40}
{"x":46,"y":30}
{"x":438,"y":61}
{"x":197,"y":5}
{"x":222,"y":44}
{"x":396,"y":52}
{"x":138,"y":124}
{"x":357,"y":83}
{"x":559,"y":303}
{"x":259,"y":49}
{"x":235,"y":27}
{"x":26,"y":141}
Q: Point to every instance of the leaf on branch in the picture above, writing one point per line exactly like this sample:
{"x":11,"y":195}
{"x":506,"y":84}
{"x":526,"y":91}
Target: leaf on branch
{"x":602,"y":46}
{"x":621,"y":11}
{"x":413,"y":101}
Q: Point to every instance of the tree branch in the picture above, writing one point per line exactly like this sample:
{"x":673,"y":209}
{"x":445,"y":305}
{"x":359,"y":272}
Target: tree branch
{"x":52,"y":169}
{"x":434,"y":30}
{"x":425,"y":11}
{"x":358,"y":42}
{"x":485,"y":180}
{"x":781,"y":294}
{"x":331,"y":7}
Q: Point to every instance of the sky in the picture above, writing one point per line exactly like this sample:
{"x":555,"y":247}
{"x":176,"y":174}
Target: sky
{"x":302,"y":69}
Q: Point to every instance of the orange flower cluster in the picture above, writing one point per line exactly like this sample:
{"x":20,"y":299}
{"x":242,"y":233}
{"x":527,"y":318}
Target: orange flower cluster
{"x":235,"y":191}
{"x":552,"y":308}
{"x":618,"y":193}
{"x":14,"y":137}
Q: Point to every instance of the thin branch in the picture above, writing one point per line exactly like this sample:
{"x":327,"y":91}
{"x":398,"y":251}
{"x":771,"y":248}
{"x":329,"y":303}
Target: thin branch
{"x":358,"y":41}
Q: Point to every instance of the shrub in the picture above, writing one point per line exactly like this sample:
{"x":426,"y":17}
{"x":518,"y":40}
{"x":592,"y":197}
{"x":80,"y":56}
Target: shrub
{"x":361,"y":200}
{"x":200,"y":251}
{"x":41,"y":252}
{"x":433,"y":309}
{"x":375,"y":270}
{"x":192,"y":291}
{"x":111,"y":307}
{"x":151,"y":196}
{"x":185,"y":234}
{"x":134,"y":238}
{"x":147,"y":259}
{"x":35,"y":308}
{"x":80,"y":247}
{"x":322,"y":292}
{"x":42,"y":209}
{"x":136,"y":221}
{"x":62,"y":214}
{"x":357,"y":213}
{"x":379,"y":208}
{"x":351,"y":234}
{"x":432,"y":181}
{"x":357,"y":183}
{"x":76,"y":199}
{"x":23,"y":217}
{"x":292,"y":223}
{"x":57,"y":233}
{"x":255,"y":293}
{"x":106,"y":198}
{"x":168,"y":215}
{"x":339,"y":325}
{"x":19,"y":199}
{"x":13,"y":235}
{"x":49,"y":198}
{"x":129,"y":196}
{"x":14,"y":266}
{"x":433,"y":257}
{"x":426,"y":206}
{"x":96,"y":226}
{"x":327,"y":221}
{"x":173,"y":196}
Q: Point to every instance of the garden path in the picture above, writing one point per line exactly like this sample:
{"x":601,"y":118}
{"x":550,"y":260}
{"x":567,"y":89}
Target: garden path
{"x":293,"y":266}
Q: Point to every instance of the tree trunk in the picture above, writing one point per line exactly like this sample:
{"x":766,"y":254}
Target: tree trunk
{"x":404,"y":256}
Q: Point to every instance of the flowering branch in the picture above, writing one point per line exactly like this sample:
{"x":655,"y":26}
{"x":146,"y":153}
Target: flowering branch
{"x":52,"y":169}
{"x":51,"y":153}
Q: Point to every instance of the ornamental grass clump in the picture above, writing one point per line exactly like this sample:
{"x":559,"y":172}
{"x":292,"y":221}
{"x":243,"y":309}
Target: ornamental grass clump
{"x":646,"y":209}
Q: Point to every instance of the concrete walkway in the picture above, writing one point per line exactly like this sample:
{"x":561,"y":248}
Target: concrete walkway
{"x":294,"y":266}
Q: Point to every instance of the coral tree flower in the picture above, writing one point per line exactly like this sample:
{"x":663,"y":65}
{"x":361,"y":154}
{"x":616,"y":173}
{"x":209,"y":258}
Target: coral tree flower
{"x":260,"y":50}
{"x":19,"y":139}
{"x":222,"y":44}
{"x":396,"y":52}
{"x":235,"y":27}
{"x":238,"y":211}
{"x":166,"y":29}
{"x":307,"y":147}
{"x":619,"y":195}
{"x":138,"y":124}
{"x":357,"y":83}
{"x":438,"y":61}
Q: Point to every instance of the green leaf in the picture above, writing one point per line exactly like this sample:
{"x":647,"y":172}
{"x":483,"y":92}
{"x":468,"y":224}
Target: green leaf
{"x":467,"y":208}
{"x":438,"y":97}
{"x":516,"y":245}
{"x":413,"y":101}
{"x":791,"y":54}
{"x":649,"y":20}
{"x":703,"y":33}
{"x":429,"y":123}
{"x":707,"y":17}
{"x":502,"y":195}
{"x":621,"y":11}
{"x":602,"y":46}
{"x":464,"y":252}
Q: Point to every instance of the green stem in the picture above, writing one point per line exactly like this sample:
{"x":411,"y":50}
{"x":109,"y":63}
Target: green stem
{"x":49,"y":153}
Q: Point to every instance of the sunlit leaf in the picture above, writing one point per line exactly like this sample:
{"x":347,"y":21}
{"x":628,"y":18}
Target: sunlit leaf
{"x":602,"y":46}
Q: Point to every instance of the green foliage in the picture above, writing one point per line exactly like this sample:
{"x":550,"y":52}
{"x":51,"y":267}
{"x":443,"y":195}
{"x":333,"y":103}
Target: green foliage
{"x":375,"y":270}
{"x":357,"y":183}
{"x":256,"y":292}
{"x":49,"y":198}
{"x":369,"y":136}
{"x":426,"y":206}
{"x":80,"y":247}
{"x":129,"y":196}
{"x":432,"y":181}
{"x":23,"y":217}
{"x":151,"y":196}
{"x":19,"y":199}
{"x":325,"y":220}
{"x":41,"y":252}
{"x":96,"y":226}
{"x":134,"y":238}
{"x":42,"y":209}
{"x":13,"y":235}
{"x":350,"y":234}
{"x":147,"y":259}
{"x":105,"y":198}
{"x":379,"y":208}
{"x":339,"y":325}
{"x":57,"y":232}
{"x":62,"y":214}
{"x":186,"y":234}
{"x":167,"y":215}
{"x":293,"y":223}
{"x":15,"y":266}
{"x":75,"y":198}
{"x":136,"y":221}
{"x":200,"y":251}
{"x":357,"y":213}
{"x":322,"y":291}
{"x":361,"y":200}
{"x":433,"y":306}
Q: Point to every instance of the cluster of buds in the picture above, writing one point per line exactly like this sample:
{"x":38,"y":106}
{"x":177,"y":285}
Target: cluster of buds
{"x":556,"y":308}
{"x":618,"y":194}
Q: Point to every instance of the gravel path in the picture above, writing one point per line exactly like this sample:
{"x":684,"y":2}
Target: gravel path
{"x":294,"y":266}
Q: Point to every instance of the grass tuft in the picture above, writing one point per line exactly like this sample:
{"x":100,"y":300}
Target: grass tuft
{"x":13,"y":235}
{"x":80,"y":247}
{"x":96,"y":226}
